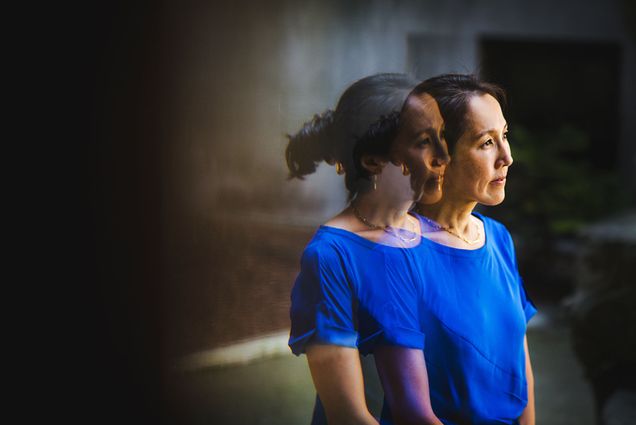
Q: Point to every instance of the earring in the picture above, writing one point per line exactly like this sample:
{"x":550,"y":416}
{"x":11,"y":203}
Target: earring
{"x":405,"y":170}
{"x":339,"y":168}
{"x":440,"y":180}
{"x":375,"y":181}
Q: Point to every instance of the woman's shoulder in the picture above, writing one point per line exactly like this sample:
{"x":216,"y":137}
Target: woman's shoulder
{"x":499,"y":238}
{"x":323,"y":241}
{"x":340,"y":221}
{"x":496,"y":230}
{"x":339,"y":234}
{"x":491,"y":223}
{"x":328,"y":244}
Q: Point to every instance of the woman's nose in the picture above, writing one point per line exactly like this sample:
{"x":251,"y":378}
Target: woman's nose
{"x":440,"y":161}
{"x":440,"y":155}
{"x":505,"y":157}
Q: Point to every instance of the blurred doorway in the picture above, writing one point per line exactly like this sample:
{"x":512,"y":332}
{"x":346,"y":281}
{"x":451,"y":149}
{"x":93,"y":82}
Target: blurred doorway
{"x":551,"y":83}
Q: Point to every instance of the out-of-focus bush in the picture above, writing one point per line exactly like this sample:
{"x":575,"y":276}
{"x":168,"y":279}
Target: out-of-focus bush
{"x":553,"y":188}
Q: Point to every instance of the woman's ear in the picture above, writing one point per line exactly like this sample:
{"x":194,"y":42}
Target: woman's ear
{"x":373,"y":163}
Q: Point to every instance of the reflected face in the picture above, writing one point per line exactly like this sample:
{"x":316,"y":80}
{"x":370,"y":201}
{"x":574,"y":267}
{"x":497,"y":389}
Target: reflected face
{"x":420,"y":145}
{"x":477,"y":172}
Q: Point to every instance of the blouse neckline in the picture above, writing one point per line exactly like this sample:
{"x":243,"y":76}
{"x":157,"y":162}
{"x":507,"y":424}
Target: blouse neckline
{"x":423,"y":242}
{"x":461,"y":252}
{"x":369,"y":243}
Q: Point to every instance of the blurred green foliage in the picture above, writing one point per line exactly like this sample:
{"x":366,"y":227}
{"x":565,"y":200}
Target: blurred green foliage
{"x":553,"y":188}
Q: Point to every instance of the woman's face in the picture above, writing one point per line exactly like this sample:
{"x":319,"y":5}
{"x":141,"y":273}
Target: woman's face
{"x":420,"y":145}
{"x":477,"y":172}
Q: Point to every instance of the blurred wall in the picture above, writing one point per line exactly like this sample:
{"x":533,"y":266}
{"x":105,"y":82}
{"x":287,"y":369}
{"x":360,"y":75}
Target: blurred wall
{"x":247,"y":74}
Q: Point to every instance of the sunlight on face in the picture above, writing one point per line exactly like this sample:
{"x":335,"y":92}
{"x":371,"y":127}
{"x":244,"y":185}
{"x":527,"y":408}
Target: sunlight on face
{"x":477,"y":172}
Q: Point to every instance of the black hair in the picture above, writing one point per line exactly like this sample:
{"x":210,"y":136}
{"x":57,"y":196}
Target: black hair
{"x":310,"y":145}
{"x":453,"y":93}
{"x":376,"y":140}
{"x":334,"y":135}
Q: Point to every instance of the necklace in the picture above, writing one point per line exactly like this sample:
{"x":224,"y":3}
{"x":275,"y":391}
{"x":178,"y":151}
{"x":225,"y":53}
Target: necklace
{"x":450,"y":230}
{"x":388,"y":229}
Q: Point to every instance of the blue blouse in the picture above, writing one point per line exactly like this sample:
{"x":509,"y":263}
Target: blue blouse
{"x":466,"y":309}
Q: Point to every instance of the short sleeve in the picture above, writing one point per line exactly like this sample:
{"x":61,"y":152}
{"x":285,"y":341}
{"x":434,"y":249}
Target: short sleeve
{"x":529,"y":309}
{"x":322,"y":301}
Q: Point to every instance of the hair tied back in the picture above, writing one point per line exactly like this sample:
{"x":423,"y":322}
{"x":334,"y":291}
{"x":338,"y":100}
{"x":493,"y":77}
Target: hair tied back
{"x":312,"y":144}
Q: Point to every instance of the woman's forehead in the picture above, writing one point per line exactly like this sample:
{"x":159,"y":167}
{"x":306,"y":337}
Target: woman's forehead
{"x":420,"y":102}
{"x":484,"y":113}
{"x":421,"y":112}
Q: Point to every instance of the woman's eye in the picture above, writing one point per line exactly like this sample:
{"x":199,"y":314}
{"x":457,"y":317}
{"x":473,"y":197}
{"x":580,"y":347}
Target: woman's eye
{"x":505,"y":135}
{"x":487,"y":143}
{"x":424,"y":142}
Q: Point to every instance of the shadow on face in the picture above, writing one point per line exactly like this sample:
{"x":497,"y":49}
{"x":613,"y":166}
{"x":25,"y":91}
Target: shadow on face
{"x":421,"y":147}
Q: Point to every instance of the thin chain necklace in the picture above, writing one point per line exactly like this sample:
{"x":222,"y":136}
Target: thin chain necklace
{"x":387,"y":228}
{"x":449,"y":230}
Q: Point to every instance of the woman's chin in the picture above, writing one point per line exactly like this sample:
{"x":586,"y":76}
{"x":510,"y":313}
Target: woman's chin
{"x":429,"y":198}
{"x":493,"y":201}
{"x":431,"y":191}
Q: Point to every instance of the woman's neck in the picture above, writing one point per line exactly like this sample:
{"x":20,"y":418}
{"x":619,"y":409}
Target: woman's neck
{"x":449,"y":213}
{"x":379,"y":210}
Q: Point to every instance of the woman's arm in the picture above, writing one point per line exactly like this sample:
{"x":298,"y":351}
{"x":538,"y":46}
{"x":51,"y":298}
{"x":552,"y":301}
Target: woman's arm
{"x":528,"y":415}
{"x":337,"y":375}
{"x":405,"y":382}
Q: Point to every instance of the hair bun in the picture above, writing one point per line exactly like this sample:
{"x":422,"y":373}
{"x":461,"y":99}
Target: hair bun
{"x":312,"y":144}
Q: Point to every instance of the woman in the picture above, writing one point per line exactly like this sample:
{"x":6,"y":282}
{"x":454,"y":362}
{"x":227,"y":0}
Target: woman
{"x":348,"y":296}
{"x":472,"y":306}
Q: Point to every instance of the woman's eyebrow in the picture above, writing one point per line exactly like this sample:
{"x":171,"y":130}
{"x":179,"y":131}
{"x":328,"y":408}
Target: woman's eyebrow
{"x":428,"y":131}
{"x":491,"y":130}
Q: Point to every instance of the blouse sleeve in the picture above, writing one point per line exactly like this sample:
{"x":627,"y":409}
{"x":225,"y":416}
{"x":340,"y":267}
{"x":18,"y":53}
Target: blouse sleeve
{"x":322,"y":302}
{"x":529,"y":309}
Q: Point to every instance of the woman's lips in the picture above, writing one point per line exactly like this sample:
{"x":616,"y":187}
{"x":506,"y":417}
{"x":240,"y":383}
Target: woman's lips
{"x":498,"y":181}
{"x":432,"y":184}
